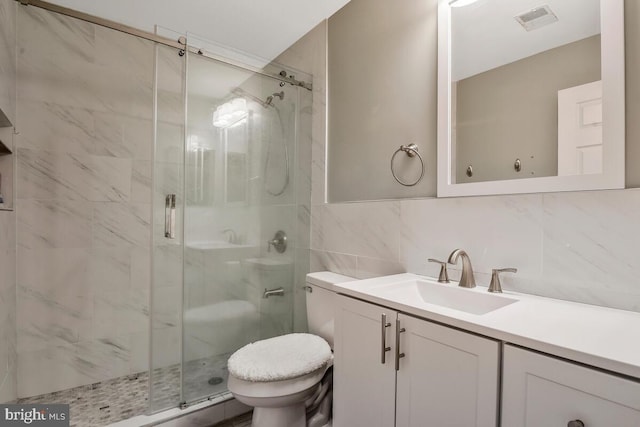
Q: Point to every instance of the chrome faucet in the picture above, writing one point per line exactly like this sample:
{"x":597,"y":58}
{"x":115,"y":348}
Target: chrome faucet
{"x":231,"y":235}
{"x":466,"y":279}
{"x":495,"y":285}
{"x":443,"y":277}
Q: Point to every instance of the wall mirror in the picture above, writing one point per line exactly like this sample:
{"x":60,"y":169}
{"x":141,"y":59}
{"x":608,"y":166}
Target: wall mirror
{"x":530,"y":96}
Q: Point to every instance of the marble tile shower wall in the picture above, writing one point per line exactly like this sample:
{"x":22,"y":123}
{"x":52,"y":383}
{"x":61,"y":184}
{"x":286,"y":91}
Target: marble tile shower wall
{"x":8,"y":58}
{"x":84,"y":113}
{"x":8,"y":356}
{"x":574,"y":246}
{"x":309,"y":55}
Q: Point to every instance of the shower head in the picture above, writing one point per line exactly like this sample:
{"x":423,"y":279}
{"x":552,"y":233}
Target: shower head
{"x":238,"y":91}
{"x":280,"y":95}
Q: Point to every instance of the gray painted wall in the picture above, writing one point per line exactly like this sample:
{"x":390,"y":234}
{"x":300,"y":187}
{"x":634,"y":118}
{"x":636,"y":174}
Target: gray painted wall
{"x":382,"y":93}
{"x":511,"y":112}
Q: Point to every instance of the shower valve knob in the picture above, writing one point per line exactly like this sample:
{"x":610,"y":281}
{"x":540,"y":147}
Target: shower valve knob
{"x":279,"y":242}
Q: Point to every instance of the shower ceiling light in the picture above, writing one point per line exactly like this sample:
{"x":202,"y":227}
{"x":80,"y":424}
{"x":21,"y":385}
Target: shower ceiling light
{"x":229,"y":113}
{"x":460,"y":3}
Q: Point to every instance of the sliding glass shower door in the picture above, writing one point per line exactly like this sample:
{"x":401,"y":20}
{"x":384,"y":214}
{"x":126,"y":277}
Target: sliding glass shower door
{"x":239,"y":217}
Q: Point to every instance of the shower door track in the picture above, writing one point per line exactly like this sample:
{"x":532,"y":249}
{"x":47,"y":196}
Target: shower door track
{"x":180,"y":44}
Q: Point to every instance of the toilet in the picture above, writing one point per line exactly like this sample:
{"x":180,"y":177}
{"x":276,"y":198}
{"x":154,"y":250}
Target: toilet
{"x":286,"y":379}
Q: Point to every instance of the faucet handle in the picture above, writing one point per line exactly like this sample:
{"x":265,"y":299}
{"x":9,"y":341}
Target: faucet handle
{"x":443,"y":277}
{"x":495,"y":285}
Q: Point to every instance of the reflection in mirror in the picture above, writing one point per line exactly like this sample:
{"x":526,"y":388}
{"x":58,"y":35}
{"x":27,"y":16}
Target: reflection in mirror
{"x":236,"y":177}
{"x":201,"y":158}
{"x":510,"y":61}
{"x":525,"y":94}
{"x":214,"y":179}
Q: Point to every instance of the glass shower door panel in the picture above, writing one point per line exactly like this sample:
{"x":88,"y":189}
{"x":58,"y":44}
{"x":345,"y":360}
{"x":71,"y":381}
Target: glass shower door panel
{"x":167,"y":260}
{"x":239,"y":172}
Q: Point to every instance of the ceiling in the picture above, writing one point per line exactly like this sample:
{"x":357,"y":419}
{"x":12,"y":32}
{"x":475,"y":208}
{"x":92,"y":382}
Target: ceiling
{"x":485,"y":34}
{"x":259,"y":29}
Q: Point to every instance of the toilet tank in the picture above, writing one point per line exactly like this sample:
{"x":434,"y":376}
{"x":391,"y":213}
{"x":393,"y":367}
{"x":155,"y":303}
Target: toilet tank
{"x":320,"y":302}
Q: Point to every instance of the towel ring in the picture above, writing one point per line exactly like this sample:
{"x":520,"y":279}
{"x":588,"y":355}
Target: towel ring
{"x":411,"y":150}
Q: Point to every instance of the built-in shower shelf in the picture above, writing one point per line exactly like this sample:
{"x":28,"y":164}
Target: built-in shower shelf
{"x":4,"y":150}
{"x":6,"y":163}
{"x":4,"y":123}
{"x":4,"y":120}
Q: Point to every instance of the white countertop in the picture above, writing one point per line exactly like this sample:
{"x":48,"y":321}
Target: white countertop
{"x":602,"y":337}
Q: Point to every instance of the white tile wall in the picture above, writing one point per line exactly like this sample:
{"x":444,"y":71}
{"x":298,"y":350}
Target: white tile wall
{"x":83,"y":202}
{"x":7,"y":58}
{"x":575,"y":246}
{"x":8,"y":352}
{"x":309,"y":56}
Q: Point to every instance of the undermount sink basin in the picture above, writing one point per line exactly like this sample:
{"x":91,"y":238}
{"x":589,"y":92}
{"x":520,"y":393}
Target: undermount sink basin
{"x":415,"y":292}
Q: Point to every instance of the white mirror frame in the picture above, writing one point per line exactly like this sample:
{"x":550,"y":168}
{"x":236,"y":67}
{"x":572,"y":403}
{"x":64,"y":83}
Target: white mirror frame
{"x":613,"y":83}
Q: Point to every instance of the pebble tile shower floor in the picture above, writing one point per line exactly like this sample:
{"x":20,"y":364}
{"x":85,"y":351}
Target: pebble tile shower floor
{"x":102,"y":403}
{"x":107,"y":402}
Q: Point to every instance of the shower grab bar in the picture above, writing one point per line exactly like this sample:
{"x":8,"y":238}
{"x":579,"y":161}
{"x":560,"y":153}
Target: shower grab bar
{"x":170,"y":216}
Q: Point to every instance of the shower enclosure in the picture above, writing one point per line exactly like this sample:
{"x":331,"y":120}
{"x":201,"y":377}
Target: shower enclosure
{"x":162,"y":205}
{"x":226,"y":227}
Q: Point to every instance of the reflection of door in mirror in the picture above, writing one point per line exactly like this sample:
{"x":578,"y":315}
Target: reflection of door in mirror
{"x":510,"y":59}
{"x":505,"y":68}
{"x":580,"y":130}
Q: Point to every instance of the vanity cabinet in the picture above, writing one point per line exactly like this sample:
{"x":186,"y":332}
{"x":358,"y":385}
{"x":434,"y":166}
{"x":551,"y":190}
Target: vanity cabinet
{"x":392,"y":369}
{"x":447,"y":377}
{"x":364,"y":383}
{"x":543,"y":391}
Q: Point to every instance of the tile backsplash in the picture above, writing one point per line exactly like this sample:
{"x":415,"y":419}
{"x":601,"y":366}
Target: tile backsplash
{"x":578,"y":246}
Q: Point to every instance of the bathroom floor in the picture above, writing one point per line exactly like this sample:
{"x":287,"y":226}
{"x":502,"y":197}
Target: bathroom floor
{"x":241,"y":421}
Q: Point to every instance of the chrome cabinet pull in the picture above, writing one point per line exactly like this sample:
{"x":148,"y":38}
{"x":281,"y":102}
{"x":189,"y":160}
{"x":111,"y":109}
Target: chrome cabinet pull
{"x":170,"y":216}
{"x":399,"y":355}
{"x":575,"y":423}
{"x":383,"y":335}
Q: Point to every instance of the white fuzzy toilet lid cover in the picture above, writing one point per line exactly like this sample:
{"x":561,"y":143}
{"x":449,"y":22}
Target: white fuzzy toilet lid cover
{"x":280,"y":358}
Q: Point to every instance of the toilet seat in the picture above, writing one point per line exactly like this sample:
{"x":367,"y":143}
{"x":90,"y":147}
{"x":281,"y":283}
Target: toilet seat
{"x":282,"y":358}
{"x":275,"y":389}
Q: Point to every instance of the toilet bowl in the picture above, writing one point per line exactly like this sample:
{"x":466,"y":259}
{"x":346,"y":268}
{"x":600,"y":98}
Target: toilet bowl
{"x":282,"y":377}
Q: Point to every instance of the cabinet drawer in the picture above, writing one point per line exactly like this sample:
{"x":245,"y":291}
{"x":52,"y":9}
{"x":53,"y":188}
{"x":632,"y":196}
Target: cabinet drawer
{"x":544,"y":391}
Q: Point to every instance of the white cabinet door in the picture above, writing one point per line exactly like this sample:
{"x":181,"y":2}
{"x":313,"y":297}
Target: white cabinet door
{"x":544,"y":391}
{"x":364,"y":387}
{"x":447,"y":378}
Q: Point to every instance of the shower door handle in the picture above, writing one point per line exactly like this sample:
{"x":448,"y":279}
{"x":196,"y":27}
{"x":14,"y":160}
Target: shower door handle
{"x":170,"y":216}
